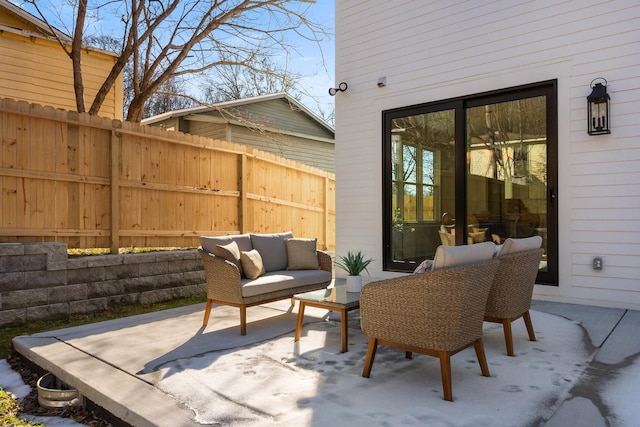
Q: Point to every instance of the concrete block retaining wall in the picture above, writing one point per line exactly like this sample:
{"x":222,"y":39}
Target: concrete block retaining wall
{"x":39,"y":281}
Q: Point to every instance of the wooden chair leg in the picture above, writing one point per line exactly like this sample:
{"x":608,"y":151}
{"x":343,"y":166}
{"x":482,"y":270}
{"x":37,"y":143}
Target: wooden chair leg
{"x":371,"y":354}
{"x":482,"y":359}
{"x":243,"y":320}
{"x":508,"y":337}
{"x":445,"y":371}
{"x":207,"y":312}
{"x":527,"y":321}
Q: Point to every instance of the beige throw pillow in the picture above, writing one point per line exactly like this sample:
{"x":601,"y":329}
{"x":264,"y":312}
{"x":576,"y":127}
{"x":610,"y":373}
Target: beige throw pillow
{"x":301,"y":254}
{"x":252,"y":264}
{"x":230,"y":252}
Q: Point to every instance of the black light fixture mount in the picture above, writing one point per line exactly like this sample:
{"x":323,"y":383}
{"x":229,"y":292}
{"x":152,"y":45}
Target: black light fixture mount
{"x":598,"y":108}
{"x":341,"y":88}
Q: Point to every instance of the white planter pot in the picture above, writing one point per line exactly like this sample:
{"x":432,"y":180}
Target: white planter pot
{"x":354,"y":283}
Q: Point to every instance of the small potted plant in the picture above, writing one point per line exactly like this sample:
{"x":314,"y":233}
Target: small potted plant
{"x":354,"y":263}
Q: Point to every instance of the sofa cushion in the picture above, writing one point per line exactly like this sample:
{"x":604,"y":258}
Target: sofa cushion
{"x":453,"y":256}
{"x":301,"y":254}
{"x":230,"y":252}
{"x":252,"y":264}
{"x":518,"y":245}
{"x":280,"y":280}
{"x":272,"y":249}
{"x":209,"y":243}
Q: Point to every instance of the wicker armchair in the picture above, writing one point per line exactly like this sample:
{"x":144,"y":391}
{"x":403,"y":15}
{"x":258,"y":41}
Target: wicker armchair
{"x":438,"y":314}
{"x":510,"y":296}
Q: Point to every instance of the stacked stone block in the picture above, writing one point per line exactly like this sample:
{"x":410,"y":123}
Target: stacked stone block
{"x":39,"y":281}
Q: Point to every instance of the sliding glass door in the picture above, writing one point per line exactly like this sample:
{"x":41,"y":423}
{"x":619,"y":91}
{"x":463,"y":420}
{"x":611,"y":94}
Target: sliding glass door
{"x":470,"y":170}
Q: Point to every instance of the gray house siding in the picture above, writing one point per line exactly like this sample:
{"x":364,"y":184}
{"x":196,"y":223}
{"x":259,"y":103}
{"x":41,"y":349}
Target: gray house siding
{"x":275,"y":124}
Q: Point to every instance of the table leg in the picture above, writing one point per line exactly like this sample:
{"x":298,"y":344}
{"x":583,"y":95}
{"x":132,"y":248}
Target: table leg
{"x":344,"y":320}
{"x":299,"y":322}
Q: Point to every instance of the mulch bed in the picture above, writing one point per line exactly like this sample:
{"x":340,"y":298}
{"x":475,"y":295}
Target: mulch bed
{"x":29,"y":405}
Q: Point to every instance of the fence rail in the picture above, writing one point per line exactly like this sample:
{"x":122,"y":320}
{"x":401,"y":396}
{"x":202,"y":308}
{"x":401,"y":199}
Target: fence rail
{"x":92,"y":182}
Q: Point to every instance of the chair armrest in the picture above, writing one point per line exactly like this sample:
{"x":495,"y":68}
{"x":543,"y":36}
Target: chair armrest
{"x":223,"y":278}
{"x":324,"y":259}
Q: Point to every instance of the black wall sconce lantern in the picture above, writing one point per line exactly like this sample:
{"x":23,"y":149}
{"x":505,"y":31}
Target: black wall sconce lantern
{"x":598,"y":108}
{"x":341,"y":88}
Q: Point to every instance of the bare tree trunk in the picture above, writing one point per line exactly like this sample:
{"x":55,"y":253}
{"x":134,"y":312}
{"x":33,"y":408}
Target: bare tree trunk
{"x":76,"y":55}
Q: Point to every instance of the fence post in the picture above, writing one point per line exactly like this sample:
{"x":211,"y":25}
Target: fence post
{"x":243,"y":195}
{"x":115,"y":191}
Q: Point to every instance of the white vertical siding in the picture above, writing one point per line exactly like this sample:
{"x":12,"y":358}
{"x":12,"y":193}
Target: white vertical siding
{"x":433,"y":50}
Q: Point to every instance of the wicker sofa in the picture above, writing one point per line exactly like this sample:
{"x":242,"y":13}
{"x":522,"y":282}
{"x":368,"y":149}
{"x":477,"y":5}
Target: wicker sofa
{"x":252,"y":269}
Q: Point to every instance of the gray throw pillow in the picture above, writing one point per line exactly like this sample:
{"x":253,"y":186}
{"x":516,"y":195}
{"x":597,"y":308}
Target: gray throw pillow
{"x":252,"y":264}
{"x":301,"y":254}
{"x":230,"y":252}
{"x":272,"y":249}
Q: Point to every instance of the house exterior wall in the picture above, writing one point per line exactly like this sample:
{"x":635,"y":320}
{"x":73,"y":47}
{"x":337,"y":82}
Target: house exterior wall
{"x":36,"y":70}
{"x":443,"y":50}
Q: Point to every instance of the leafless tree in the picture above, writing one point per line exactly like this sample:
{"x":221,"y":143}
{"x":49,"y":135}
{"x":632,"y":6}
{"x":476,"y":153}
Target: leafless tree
{"x":168,"y":39}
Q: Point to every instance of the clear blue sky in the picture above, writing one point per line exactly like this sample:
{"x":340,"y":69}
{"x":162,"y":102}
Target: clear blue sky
{"x":317,"y":76}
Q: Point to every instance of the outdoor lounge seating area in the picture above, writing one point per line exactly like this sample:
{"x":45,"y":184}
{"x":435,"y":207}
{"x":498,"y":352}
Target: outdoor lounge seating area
{"x":252,"y":269}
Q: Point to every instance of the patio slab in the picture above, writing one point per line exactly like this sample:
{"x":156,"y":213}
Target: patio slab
{"x":165,"y":369}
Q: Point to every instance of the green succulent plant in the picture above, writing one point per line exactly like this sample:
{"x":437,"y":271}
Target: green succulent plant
{"x":353,"y":263}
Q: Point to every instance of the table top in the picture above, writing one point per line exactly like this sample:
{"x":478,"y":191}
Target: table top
{"x":337,"y":296}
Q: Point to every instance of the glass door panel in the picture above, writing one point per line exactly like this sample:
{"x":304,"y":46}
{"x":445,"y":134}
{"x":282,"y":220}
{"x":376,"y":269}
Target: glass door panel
{"x":507,"y":171}
{"x":422,"y":183}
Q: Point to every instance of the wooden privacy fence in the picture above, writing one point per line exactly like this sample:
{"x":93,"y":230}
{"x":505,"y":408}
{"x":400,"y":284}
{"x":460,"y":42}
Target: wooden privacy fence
{"x":93,"y":182}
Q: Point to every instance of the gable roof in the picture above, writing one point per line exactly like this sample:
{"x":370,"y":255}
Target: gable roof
{"x":234,"y":104}
{"x":16,"y":20}
{"x":30,"y":24}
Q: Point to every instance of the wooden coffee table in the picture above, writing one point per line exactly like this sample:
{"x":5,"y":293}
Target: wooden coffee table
{"x":334,"y":299}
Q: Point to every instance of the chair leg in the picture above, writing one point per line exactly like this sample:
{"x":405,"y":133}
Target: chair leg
{"x":508,"y":337}
{"x":527,"y":321}
{"x":482,"y":359}
{"x":207,"y":312}
{"x":408,"y":355}
{"x":371,"y":354}
{"x":445,"y":371}
{"x":243,"y":320}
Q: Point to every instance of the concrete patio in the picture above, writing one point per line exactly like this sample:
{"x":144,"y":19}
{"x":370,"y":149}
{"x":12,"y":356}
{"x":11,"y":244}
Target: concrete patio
{"x":157,"y":369}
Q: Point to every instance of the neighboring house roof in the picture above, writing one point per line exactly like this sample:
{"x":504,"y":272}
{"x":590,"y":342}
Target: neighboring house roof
{"x":230,"y":113}
{"x":29,"y":23}
{"x":17,"y":20}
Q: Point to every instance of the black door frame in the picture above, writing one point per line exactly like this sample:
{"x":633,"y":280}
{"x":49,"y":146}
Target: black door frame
{"x":459,"y":105}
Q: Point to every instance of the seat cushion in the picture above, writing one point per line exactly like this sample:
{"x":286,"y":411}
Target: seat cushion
{"x":272,"y":249}
{"x":518,"y":245}
{"x":285,"y":279}
{"x":301,"y":254}
{"x":452,"y":256}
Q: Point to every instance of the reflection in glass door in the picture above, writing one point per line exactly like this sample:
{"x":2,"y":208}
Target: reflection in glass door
{"x":423,"y":182}
{"x":468,"y":170}
{"x":507,"y":171}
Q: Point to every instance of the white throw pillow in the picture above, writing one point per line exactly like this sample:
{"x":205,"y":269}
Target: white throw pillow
{"x":453,"y":256}
{"x":511,"y":246}
{"x":424,"y":267}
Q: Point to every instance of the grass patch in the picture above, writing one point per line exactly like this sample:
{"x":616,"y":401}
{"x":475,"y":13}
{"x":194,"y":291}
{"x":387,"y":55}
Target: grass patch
{"x":9,"y":412}
{"x":129,"y":250}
